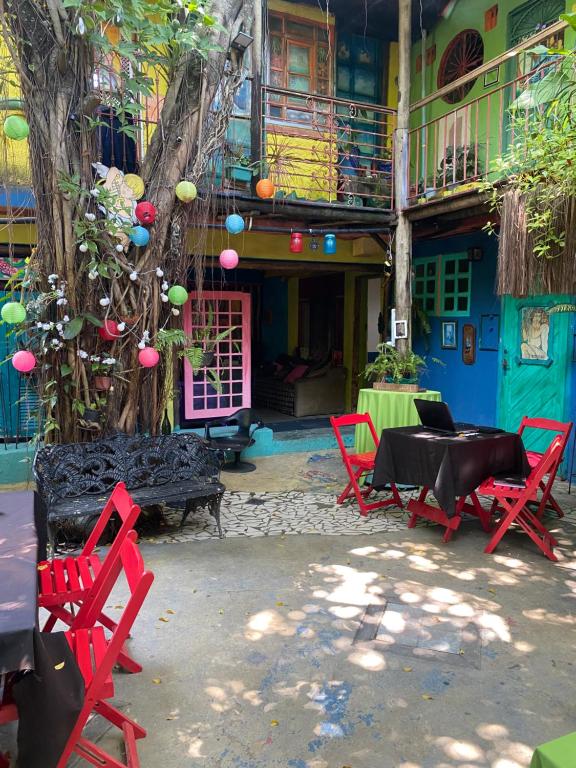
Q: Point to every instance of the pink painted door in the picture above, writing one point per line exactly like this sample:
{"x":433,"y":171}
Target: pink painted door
{"x":224,"y":386}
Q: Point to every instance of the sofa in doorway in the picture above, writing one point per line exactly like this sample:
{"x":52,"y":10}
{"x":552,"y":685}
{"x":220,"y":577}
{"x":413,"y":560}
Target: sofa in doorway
{"x":305,"y":396}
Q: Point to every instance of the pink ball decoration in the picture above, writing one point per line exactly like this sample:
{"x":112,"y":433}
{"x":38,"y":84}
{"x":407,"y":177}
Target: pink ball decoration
{"x":24,"y":361}
{"x":148,"y":357}
{"x":229,"y":259}
{"x":109,"y":331}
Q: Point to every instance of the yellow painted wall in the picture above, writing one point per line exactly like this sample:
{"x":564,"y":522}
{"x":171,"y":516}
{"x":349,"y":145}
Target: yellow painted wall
{"x":14,"y":155}
{"x":305,"y":11}
{"x":392,"y":94}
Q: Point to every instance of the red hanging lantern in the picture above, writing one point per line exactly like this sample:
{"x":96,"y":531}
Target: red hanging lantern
{"x":296,"y":242}
{"x":145,"y":213}
{"x":109,"y":331}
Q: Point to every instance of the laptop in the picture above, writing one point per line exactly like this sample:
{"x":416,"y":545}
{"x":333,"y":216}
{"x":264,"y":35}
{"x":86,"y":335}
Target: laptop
{"x":436,"y":416}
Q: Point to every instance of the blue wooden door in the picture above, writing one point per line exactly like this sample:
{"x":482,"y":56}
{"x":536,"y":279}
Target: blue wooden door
{"x":535,"y":356}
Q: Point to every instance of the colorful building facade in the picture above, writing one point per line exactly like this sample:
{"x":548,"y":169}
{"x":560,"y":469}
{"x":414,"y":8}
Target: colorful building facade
{"x":317,"y":117}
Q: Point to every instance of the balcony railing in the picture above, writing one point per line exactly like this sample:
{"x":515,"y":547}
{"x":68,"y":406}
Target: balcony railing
{"x":327,"y":150}
{"x":457,"y":149}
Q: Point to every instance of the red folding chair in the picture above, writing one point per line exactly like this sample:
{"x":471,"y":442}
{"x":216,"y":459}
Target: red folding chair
{"x":96,"y":657}
{"x":513,"y":502}
{"x":563,"y":430}
{"x":358,"y":465}
{"x":67,"y":586}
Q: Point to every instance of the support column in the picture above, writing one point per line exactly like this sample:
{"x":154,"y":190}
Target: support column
{"x":403,"y":258}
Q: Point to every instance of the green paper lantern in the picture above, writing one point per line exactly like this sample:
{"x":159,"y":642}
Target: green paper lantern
{"x":13,"y":312}
{"x":16,"y":128}
{"x":178,"y":295}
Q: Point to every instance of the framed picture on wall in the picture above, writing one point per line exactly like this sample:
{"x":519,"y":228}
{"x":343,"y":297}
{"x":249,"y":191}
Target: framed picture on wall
{"x":450,"y":334}
{"x":400,"y":329}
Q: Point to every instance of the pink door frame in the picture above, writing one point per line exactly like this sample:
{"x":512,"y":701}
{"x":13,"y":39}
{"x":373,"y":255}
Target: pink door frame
{"x":226,"y":403}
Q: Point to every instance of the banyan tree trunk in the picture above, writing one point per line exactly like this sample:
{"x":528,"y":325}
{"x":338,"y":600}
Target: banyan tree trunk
{"x":56,"y":68}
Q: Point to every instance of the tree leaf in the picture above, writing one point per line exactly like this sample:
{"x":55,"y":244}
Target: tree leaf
{"x":74,"y":327}
{"x":65,"y":369}
{"x":94,"y":320}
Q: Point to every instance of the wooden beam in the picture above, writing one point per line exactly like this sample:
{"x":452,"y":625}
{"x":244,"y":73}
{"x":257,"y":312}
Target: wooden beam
{"x":403,"y":257}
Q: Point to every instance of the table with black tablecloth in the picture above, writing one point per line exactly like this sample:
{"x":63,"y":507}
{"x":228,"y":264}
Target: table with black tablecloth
{"x":39,"y":670}
{"x":452,"y":467}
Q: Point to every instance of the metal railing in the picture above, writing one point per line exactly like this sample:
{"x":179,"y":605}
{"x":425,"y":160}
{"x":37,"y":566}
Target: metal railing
{"x":327,"y":150}
{"x":457,"y":149}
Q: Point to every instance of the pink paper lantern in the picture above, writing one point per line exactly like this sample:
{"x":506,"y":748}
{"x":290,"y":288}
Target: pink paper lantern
{"x":148,"y":357}
{"x":24,"y":361}
{"x":229,"y":259}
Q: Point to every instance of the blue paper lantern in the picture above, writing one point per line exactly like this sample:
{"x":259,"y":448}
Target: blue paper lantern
{"x":234,"y":224}
{"x":139,"y":236}
{"x":329,"y":244}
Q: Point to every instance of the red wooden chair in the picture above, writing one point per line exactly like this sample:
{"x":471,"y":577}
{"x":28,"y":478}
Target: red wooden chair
{"x":67,"y":586}
{"x":513,"y":502}
{"x":359,"y":465}
{"x":96,"y":657}
{"x":563,"y":430}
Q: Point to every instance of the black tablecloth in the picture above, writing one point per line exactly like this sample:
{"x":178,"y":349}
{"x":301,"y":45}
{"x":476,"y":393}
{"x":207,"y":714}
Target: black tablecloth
{"x":450,"y":466}
{"x":18,"y":580}
{"x":49,"y":696}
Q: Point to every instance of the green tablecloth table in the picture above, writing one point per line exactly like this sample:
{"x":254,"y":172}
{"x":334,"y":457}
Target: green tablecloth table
{"x":560,"y":753}
{"x":388,"y":409}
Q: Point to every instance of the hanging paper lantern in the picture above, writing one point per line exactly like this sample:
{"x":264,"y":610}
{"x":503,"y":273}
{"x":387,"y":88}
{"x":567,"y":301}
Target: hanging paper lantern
{"x":16,"y":128}
{"x":13,"y":312}
{"x":139,"y":236}
{"x":329,"y":244}
{"x":234,"y":224}
{"x":136,"y":184}
{"x":178,"y":295}
{"x":265,"y":189}
{"x":24,"y":361}
{"x":296,"y":242}
{"x":109,"y":331}
{"x":229,"y":259}
{"x":148,"y":357}
{"x":186,"y":191}
{"x":145,"y":213}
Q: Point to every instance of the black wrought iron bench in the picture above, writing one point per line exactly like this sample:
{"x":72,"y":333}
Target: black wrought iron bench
{"x":75,"y":480}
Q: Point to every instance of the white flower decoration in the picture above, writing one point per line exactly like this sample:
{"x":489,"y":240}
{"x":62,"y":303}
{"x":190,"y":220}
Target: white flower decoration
{"x":159,"y":272}
{"x":104,"y":302}
{"x":133,"y":276}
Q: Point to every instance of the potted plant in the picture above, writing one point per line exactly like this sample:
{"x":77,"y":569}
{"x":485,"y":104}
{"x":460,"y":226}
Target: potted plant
{"x":102,"y":371}
{"x":395,"y":371}
{"x":238,"y":165}
{"x":199,"y":348}
{"x":459,"y":165}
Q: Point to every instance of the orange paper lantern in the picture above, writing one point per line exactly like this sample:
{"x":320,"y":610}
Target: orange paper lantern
{"x":265,"y":189}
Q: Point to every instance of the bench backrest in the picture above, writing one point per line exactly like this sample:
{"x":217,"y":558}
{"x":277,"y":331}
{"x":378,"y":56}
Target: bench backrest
{"x":92,"y":469}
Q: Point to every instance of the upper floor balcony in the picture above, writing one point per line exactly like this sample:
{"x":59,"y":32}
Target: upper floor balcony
{"x":452,"y":150}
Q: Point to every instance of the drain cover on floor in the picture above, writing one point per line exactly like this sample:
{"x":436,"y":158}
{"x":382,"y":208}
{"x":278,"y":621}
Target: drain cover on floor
{"x":412,"y":631}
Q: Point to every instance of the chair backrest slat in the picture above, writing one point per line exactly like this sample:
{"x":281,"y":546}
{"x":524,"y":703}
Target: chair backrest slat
{"x":352,"y":420}
{"x":106,"y":578}
{"x":139,"y":581}
{"x":547,"y":464}
{"x":119,"y":501}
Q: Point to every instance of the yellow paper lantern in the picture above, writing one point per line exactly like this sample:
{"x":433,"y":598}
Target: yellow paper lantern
{"x":135,"y":183}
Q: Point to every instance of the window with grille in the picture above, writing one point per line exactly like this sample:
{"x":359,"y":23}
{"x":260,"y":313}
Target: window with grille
{"x":223,"y":385}
{"x":442,"y":285}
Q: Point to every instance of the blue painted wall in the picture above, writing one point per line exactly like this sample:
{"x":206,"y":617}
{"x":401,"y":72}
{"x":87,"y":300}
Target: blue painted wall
{"x":470,"y":390}
{"x":274,"y":317}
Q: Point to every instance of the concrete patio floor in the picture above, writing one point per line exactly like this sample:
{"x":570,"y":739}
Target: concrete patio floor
{"x":390,"y":650}
{"x":269,"y":658}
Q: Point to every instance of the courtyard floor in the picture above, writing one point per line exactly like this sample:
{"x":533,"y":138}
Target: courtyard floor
{"x":356,"y":644}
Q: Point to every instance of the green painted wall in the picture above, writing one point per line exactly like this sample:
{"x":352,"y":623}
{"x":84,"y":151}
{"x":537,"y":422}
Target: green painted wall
{"x":482,"y":122}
